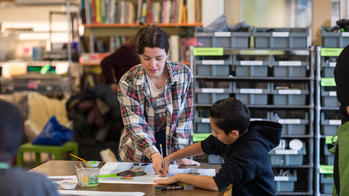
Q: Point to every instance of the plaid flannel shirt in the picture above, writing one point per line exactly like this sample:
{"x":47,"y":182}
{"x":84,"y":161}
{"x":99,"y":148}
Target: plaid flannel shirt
{"x":137,"y":141}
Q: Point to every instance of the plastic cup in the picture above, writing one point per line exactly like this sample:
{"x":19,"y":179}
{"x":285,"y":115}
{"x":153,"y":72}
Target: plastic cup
{"x":87,"y":177}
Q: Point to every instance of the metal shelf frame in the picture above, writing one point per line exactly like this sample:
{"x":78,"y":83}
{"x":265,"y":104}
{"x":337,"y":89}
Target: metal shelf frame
{"x":309,"y":167}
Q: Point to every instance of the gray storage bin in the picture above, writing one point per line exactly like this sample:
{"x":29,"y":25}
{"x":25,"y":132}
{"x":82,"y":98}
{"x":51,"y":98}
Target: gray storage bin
{"x":259,"y":115}
{"x":224,"y":39}
{"x":285,"y":185}
{"x":202,"y":121}
{"x":290,"y":66}
{"x":212,"y":70}
{"x":334,"y":39}
{"x":214,"y":92}
{"x":293,"y":122}
{"x":328,"y":65}
{"x":252,"y":99}
{"x":277,"y":158}
{"x":290,"y":94}
{"x":251,"y":93}
{"x":290,"y":71}
{"x":326,"y":182}
{"x":210,"y":98}
{"x":216,"y":66}
{"x":329,"y":158}
{"x":328,"y":72}
{"x":289,"y":99}
{"x":246,"y":65}
{"x":203,"y":127}
{"x":215,"y":159}
{"x":253,"y":71}
{"x":329,"y":98}
{"x":294,"y":126}
{"x":329,"y":126}
{"x":281,"y":38}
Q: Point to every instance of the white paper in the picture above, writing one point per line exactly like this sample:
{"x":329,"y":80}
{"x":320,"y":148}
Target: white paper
{"x":59,"y":178}
{"x":251,"y":62}
{"x":213,"y":62}
{"x":205,"y":120}
{"x":251,"y":90}
{"x":334,"y":122}
{"x":115,"y":167}
{"x":222,"y":34}
{"x":290,"y":91}
{"x":332,"y":93}
{"x":333,"y":64}
{"x":212,"y":90}
{"x":280,"y":34}
{"x":345,"y":34}
{"x":255,"y":119}
{"x":281,"y":178}
{"x":290,"y":63}
{"x":289,"y":121}
{"x":98,"y":193}
{"x":279,"y":151}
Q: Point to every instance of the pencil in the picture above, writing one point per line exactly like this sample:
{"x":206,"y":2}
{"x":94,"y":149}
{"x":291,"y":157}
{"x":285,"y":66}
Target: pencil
{"x":77,"y":157}
{"x":162,"y":156}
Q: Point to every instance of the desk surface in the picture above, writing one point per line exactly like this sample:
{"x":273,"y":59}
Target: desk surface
{"x":65,"y":168}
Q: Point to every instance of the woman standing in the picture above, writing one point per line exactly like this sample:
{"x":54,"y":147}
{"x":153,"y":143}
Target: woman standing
{"x":156,"y":100}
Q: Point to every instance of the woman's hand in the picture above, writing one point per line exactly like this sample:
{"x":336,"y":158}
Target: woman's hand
{"x":157,"y":164}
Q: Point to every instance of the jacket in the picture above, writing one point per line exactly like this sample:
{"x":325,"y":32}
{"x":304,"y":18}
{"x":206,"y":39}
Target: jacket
{"x":246,"y":161}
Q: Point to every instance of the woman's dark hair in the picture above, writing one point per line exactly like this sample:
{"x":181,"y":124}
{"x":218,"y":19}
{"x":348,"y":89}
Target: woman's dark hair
{"x":230,"y":114}
{"x":152,"y":37}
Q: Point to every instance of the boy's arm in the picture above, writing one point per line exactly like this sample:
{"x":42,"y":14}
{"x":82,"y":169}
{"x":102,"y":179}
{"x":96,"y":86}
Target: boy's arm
{"x":204,"y":182}
{"x":192,"y":150}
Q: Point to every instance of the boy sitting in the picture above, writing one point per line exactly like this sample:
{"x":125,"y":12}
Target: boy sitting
{"x":244,"y":147}
{"x":16,"y":181}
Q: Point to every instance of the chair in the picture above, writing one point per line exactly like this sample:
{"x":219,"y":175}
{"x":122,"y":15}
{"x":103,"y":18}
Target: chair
{"x":57,"y":151}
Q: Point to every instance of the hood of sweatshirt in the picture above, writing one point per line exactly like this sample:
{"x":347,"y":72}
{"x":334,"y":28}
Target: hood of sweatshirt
{"x":269,"y":131}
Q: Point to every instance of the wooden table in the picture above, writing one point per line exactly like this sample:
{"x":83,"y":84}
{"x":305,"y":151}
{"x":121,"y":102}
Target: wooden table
{"x":65,"y":168}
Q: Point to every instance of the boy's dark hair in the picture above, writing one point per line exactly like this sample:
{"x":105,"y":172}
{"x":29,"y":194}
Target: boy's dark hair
{"x":11,"y":127}
{"x":230,"y":114}
{"x":152,"y":37}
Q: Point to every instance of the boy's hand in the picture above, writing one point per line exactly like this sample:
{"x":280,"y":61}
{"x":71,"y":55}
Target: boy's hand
{"x":157,"y":164}
{"x":170,"y":180}
{"x":188,"y":162}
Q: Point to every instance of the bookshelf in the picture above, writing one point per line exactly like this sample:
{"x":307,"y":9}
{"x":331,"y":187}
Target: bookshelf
{"x":120,"y":19}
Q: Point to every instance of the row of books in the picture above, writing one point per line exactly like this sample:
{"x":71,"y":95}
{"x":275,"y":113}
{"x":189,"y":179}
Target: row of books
{"x":141,"y":11}
{"x":179,"y":46}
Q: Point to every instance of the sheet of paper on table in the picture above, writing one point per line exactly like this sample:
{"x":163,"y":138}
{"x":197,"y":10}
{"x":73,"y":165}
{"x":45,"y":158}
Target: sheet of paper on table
{"x":115,"y":167}
{"x":99,"y":193}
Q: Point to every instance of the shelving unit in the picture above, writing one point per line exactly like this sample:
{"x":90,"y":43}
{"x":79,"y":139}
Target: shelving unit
{"x":276,"y":85}
{"x":327,"y":113}
{"x":49,"y":83}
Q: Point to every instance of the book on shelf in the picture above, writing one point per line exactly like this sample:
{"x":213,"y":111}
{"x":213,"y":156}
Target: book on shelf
{"x":145,"y":11}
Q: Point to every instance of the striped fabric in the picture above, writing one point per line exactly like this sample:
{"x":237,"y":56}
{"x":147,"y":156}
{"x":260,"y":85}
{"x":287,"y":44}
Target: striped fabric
{"x":137,"y":142}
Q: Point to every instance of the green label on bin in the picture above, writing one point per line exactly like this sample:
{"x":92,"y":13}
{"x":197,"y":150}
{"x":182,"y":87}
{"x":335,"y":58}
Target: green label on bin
{"x":331,"y":139}
{"x":326,"y":169}
{"x":328,"y":82}
{"x":208,"y":51}
{"x":198,"y":137}
{"x":331,"y":51}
